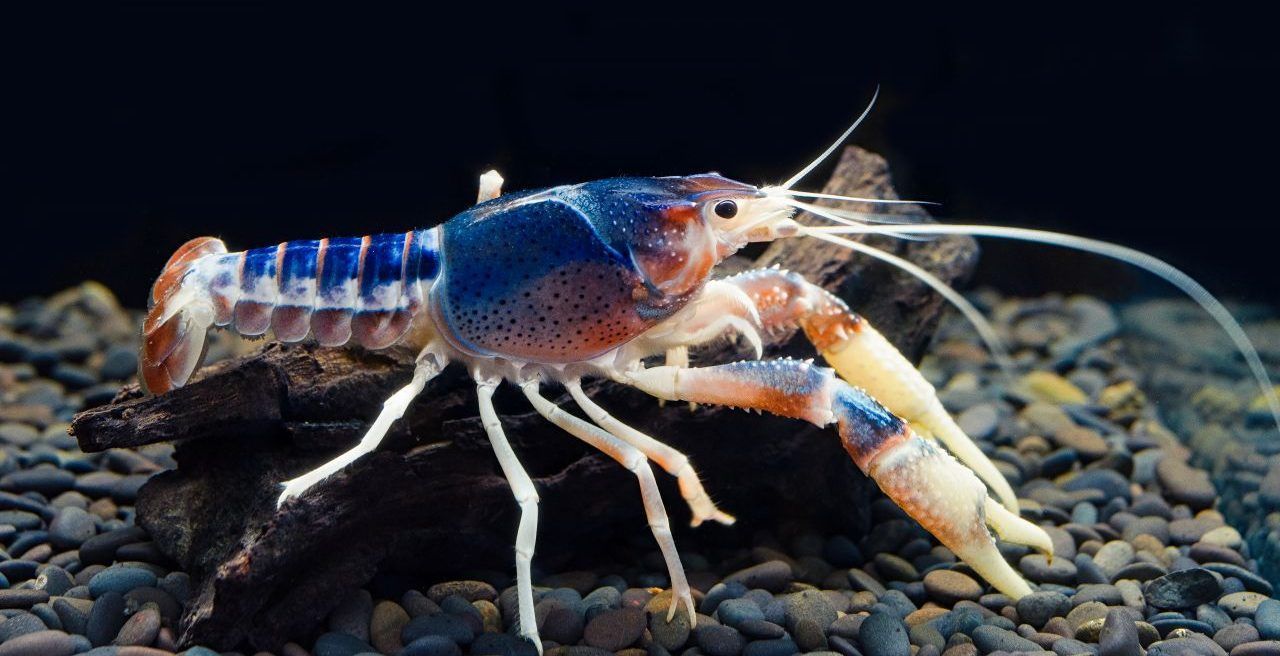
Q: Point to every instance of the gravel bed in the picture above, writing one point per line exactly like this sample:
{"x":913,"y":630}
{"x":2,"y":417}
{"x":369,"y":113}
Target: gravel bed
{"x":1145,"y":561}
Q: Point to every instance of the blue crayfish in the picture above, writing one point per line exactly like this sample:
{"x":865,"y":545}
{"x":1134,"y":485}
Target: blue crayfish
{"x":554,"y":285}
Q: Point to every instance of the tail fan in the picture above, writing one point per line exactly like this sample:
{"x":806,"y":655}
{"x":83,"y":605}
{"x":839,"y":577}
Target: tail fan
{"x":173,"y":335}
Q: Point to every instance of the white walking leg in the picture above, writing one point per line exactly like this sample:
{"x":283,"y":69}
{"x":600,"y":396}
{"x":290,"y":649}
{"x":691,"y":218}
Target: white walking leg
{"x":635,"y":461}
{"x":674,"y":462}
{"x":393,"y":408}
{"x":527,"y":496}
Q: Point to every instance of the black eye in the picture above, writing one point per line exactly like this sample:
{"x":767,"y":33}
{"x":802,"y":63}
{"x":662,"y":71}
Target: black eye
{"x":726,"y":209}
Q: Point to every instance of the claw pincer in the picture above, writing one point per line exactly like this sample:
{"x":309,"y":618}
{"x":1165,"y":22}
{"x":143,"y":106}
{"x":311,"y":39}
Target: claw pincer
{"x":940,"y":493}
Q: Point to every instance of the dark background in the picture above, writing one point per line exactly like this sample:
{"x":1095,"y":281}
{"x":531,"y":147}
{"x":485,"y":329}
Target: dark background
{"x":131,"y":128}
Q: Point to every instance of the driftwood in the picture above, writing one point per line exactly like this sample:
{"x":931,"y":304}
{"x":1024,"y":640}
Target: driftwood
{"x":431,"y":502}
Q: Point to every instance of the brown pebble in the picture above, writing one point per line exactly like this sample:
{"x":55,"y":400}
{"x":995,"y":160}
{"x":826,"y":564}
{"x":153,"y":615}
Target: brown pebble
{"x":469,"y":590}
{"x":141,"y":629}
{"x":385,"y":624}
{"x":924,"y":615}
{"x":614,"y":630}
{"x":949,"y":586}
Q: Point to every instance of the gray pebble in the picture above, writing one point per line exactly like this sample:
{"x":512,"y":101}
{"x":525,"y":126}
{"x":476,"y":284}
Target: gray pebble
{"x":1037,"y":608}
{"x":772,"y":576}
{"x":990,"y":638}
{"x":719,"y":640}
{"x":121,"y":579}
{"x":1119,"y":635}
{"x":883,"y":634}
{"x":40,"y":643}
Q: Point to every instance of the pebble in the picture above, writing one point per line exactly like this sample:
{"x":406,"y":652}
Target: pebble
{"x":340,"y":644}
{"x":1260,"y":648}
{"x":1230,"y":637}
{"x":454,"y":628}
{"x":40,"y":643}
{"x":1267,"y":618}
{"x":1241,"y":604}
{"x":430,"y":646}
{"x":772,"y":576}
{"x":106,"y":618}
{"x":988,"y":639}
{"x":883,"y":634}
{"x":615,"y":629}
{"x":121,"y":579}
{"x":141,"y":628}
{"x":385,"y":626}
{"x":949,"y":586}
{"x":719,"y":640}
{"x":1113,"y":556}
{"x":1186,"y":588}
{"x":1038,"y":568}
{"x":1119,"y":636}
{"x":1038,"y":608}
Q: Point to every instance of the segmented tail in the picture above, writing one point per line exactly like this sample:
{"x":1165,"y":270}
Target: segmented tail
{"x":174,"y":330}
{"x":363,"y":288}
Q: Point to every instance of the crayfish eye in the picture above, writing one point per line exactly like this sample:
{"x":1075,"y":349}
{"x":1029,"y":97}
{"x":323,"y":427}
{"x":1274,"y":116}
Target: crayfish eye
{"x":726,"y":209}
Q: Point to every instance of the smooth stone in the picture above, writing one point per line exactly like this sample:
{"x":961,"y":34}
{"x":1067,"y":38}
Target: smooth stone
{"x":990,"y":638}
{"x":469,"y":590}
{"x":101,"y":549}
{"x":40,"y":643}
{"x":22,"y":598}
{"x":809,"y":605}
{"x":432,"y":645}
{"x":1186,"y":588}
{"x":121,"y":579}
{"x":779,"y":647}
{"x":1112,"y":484}
{"x":1038,"y":568}
{"x":20,"y":624}
{"x":719,"y":640}
{"x":1224,"y":536}
{"x":1241,"y":604}
{"x":732,"y":612}
{"x":385,"y":625}
{"x":1260,"y":648}
{"x":616,"y":629}
{"x":1230,"y":637}
{"x":883,"y":634}
{"x":1267,"y":618}
{"x":559,"y":621}
{"x":500,"y":644}
{"x":1165,"y":626}
{"x":55,"y":581}
{"x":106,"y":618}
{"x":1113,"y":556}
{"x":140,"y":629}
{"x":1038,"y":608}
{"x":1140,"y":571}
{"x":1119,"y":636}
{"x":674,"y":633}
{"x":773,"y":576}
{"x":450,"y":626}
{"x":861,"y":580}
{"x":340,"y":644}
{"x":895,"y":568}
{"x":47,"y":480}
{"x":72,"y":613}
{"x":949,"y":586}
{"x":1252,"y":582}
{"x":1195,"y":645}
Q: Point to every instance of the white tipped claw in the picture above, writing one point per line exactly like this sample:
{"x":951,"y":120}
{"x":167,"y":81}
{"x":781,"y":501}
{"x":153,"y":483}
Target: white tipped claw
{"x":685,"y":599}
{"x":293,"y":488}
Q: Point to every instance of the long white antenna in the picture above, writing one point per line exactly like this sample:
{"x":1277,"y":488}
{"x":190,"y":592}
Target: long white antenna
{"x":832,"y":148}
{"x":1159,"y":267}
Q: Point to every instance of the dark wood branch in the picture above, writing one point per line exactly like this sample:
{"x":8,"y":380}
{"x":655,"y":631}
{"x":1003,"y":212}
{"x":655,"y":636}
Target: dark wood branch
{"x":431,"y":501}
